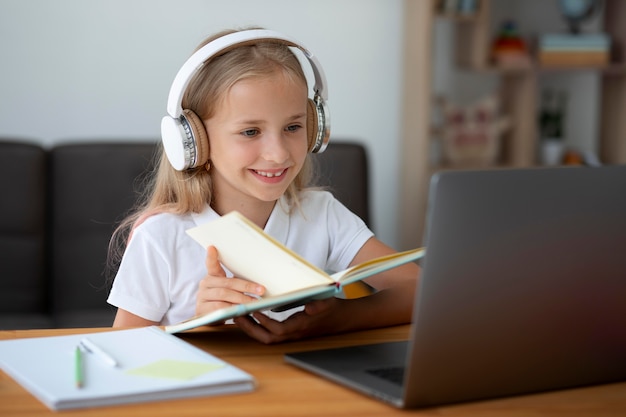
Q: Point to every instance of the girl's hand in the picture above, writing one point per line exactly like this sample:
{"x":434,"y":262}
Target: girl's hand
{"x":317,"y":319}
{"x":217,"y":291}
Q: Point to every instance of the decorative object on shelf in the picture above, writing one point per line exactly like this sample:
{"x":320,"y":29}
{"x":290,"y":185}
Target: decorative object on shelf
{"x":509,"y":49}
{"x":578,"y":11}
{"x":573,"y":157}
{"x":575,"y":48}
{"x":471,"y":134}
{"x":551,"y":126}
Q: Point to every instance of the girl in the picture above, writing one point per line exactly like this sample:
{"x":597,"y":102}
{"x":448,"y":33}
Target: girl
{"x":246,"y":148}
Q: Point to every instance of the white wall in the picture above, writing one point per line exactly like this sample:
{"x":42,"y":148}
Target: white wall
{"x":101,"y":69}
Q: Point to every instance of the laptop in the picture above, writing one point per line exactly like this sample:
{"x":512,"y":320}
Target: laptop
{"x":522,"y":290}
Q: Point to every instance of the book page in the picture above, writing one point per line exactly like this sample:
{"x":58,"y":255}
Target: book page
{"x":377,"y":265}
{"x":248,"y":252}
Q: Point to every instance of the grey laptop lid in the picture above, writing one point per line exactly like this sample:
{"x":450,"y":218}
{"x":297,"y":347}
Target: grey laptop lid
{"x":523,"y":289}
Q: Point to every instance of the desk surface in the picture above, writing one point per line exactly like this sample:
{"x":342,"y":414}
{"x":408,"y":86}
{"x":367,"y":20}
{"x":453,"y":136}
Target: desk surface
{"x":284,"y":390}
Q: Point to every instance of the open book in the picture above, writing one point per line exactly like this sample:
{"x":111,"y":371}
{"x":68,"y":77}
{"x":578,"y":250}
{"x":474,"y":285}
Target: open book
{"x":248,"y":252}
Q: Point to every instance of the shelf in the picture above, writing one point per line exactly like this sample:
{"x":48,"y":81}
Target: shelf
{"x":457,"y":17}
{"x":616,"y":69}
{"x":518,"y":89}
{"x":519,"y":85}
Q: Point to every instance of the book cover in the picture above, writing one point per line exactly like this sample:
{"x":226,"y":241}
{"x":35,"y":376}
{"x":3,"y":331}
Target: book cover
{"x":151,"y":365}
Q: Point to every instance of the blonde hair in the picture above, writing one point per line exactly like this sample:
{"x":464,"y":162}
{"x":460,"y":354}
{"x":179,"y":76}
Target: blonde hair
{"x":181,"y":192}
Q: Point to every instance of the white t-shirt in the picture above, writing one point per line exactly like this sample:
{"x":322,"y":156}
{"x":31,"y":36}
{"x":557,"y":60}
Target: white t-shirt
{"x":162,"y":266}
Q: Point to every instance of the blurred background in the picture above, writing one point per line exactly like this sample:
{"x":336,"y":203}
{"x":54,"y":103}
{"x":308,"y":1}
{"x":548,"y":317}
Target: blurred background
{"x":76,"y":70}
{"x":101,"y":69}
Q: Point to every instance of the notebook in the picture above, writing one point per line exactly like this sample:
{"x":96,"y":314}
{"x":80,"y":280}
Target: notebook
{"x":138,"y":365}
{"x":522,"y":290}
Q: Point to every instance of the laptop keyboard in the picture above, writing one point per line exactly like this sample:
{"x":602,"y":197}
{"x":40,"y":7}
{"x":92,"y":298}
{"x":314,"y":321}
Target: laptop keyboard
{"x":393,"y":374}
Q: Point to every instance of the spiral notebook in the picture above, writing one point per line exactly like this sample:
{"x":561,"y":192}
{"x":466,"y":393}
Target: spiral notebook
{"x":150,"y":365}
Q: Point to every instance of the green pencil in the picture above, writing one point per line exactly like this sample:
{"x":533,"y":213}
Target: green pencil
{"x":78,"y":367}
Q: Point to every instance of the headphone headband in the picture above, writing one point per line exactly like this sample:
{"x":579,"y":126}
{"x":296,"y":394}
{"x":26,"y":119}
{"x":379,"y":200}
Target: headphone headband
{"x":185,"y":139}
{"x":223,"y":43}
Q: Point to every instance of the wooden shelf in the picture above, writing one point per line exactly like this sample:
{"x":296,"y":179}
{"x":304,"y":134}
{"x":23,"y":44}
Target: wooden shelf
{"x":456,"y":17}
{"x":518,"y":89}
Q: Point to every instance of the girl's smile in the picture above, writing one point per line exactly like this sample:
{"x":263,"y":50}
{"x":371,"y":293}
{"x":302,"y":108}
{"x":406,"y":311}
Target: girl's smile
{"x":271,"y":173}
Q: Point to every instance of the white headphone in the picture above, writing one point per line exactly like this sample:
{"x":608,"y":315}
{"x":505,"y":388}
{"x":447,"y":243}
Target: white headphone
{"x":184,"y":137}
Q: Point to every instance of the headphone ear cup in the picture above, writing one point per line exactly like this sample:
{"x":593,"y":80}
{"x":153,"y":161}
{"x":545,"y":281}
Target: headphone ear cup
{"x":200,"y":137}
{"x":312,"y":121}
{"x":318,"y":125}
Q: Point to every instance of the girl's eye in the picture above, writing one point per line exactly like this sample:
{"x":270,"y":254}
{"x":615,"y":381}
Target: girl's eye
{"x":293,"y":128}
{"x":250,"y":133}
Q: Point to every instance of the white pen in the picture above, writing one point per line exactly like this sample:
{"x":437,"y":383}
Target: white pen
{"x":93,"y":348}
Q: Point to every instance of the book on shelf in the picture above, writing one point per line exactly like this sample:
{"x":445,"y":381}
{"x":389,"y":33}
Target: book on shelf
{"x":250,"y":253}
{"x":587,"y":41}
{"x":573,"y":58}
{"x":560,"y":49}
{"x":145,"y":364}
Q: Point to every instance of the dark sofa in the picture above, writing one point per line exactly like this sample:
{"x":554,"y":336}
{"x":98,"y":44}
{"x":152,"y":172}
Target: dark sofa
{"x":60,"y":206}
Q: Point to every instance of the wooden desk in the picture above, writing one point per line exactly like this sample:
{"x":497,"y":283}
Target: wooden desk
{"x":284,"y":390}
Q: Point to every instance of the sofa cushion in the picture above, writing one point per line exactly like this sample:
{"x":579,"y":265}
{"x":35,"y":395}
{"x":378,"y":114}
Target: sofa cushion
{"x":22,"y":236}
{"x":60,"y":207}
{"x":343,"y":170}
{"x":93,"y":186}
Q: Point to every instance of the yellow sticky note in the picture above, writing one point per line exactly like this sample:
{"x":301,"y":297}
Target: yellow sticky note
{"x":173,"y":369}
